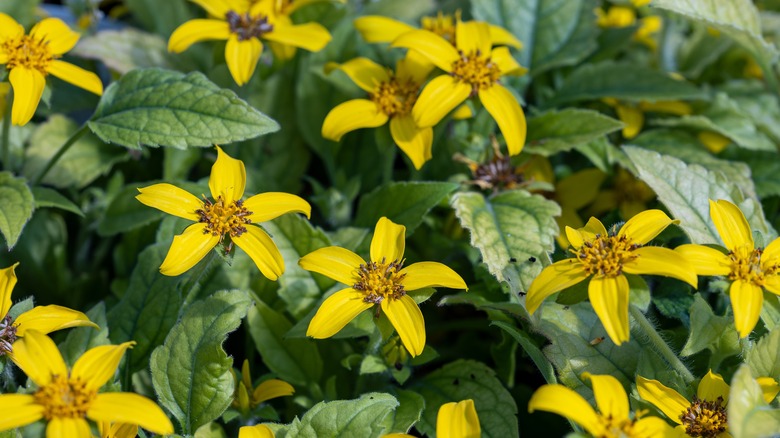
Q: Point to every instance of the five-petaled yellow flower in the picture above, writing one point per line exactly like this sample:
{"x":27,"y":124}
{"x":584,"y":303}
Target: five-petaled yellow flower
{"x":614,"y":418}
{"x":247,"y":396}
{"x":454,"y":420}
{"x":750,"y":269}
{"x":226,"y":215}
{"x":66,"y":398}
{"x":30,"y":58}
{"x":391,"y":97}
{"x":44,"y":319}
{"x":382,"y":281}
{"x":472,"y":68}
{"x":604,"y":258}
{"x":706,"y":415}
{"x":244,"y":25}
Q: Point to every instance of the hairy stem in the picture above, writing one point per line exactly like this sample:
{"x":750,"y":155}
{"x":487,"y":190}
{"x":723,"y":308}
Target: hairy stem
{"x":650,"y":338}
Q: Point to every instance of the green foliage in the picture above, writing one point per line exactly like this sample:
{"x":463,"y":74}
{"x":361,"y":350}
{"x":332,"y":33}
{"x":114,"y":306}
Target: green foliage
{"x":404,"y":203}
{"x":125,"y":50}
{"x":749,"y":415}
{"x":81,"y":339}
{"x":559,"y":131}
{"x":762,"y":357}
{"x":17,"y":202}
{"x":712,"y":332}
{"x":49,"y":198}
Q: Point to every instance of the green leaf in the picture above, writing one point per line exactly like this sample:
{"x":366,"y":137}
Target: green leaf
{"x":685,"y":190}
{"x":369,"y":416}
{"x":558,"y":131}
{"x":191,"y":372}
{"x":748,"y":414}
{"x":622,"y":81}
{"x":399,"y":9}
{"x":81,"y":339}
{"x":554,"y":33}
{"x":712,"y":332}
{"x":404,"y":203}
{"x":162,"y":18}
{"x":762,"y":357}
{"x":50,"y":198}
{"x":510,"y":230}
{"x":156,"y":107}
{"x":148,"y":309}
{"x":529,"y":346}
{"x":468,"y":379}
{"x":17,"y":202}
{"x":764,"y":169}
{"x":294,"y":360}
{"x":409,"y":412}
{"x":125,"y":50}
{"x":23,"y":11}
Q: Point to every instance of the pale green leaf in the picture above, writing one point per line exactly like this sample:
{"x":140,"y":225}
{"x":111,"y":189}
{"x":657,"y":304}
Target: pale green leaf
{"x":558,"y":131}
{"x":81,"y":339}
{"x":50,"y":198}
{"x":23,"y":11}
{"x":369,"y":416}
{"x":17,"y":202}
{"x":763,"y":356}
{"x":125,"y":50}
{"x":409,"y":411}
{"x":191,"y":372}
{"x":404,"y":203}
{"x":712,"y":332}
{"x":749,"y":415}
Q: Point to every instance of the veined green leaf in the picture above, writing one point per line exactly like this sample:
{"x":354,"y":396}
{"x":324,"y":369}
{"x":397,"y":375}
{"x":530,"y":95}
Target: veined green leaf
{"x":709,"y":331}
{"x":558,"y":131}
{"x":191,"y":372}
{"x":45,"y":197}
{"x":17,"y":202}
{"x":22,"y":10}
{"x":409,"y":411}
{"x":81,"y":339}
{"x":125,"y":50}
{"x":762,"y":357}
{"x":369,"y":416}
{"x":157,"y":107}
{"x":405,"y":203}
{"x":749,"y":415}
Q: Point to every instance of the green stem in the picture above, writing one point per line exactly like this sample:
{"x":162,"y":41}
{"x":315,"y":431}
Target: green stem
{"x":7,"y":135}
{"x":654,"y":341}
{"x":64,"y":148}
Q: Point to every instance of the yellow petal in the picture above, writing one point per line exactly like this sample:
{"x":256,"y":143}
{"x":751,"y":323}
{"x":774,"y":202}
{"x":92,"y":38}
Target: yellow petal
{"x":246,"y":375}
{"x":365,"y":73}
{"x":58,"y":36}
{"x":502,"y":37}
{"x":579,"y":189}
{"x":609,"y":298}
{"x":645,"y":226}
{"x":632,"y":117}
{"x":433,"y":47}
{"x":705,"y":260}
{"x":309,"y":36}
{"x":228,"y":177}
{"x":335,"y":312}
{"x":440,"y":96}
{"x":462,"y":112}
{"x":588,"y":233}
{"x":187,"y":249}
{"x":413,"y":67}
{"x":458,"y":420}
{"x":241,"y":57}
{"x":9,"y":28}
{"x":28,"y":87}
{"x":171,"y":199}
{"x":554,"y":278}
{"x":379,"y":29}
{"x":675,"y":107}
{"x":769,"y":387}
{"x":217,"y":8}
{"x":611,"y":398}
{"x":772,"y":284}
{"x":98,"y":365}
{"x":270,"y":205}
{"x":46,"y":319}
{"x":713,"y":386}
{"x":282,"y":52}
{"x":667,"y":400}
{"x":351,"y":115}
{"x":746,"y":301}
{"x":473,"y":37}
{"x":256,"y":431}
{"x":126,"y":407}
{"x":389,"y":241}
{"x":18,"y":409}
{"x":119,"y":430}
{"x":568,"y":219}
{"x":7,"y":283}
{"x":63,"y":427}
{"x":502,"y":105}
{"x":771,"y":254}
{"x":262,"y":250}
{"x":272,"y":388}
{"x":713,"y":141}
{"x":76,"y":75}
{"x":430,"y":274}
{"x":413,"y":141}
{"x":731,"y":224}
{"x":333,"y":262}
{"x":38,"y":357}
{"x":563,"y":401}
{"x":652,"y":427}
{"x":406,"y":317}
{"x":195,"y":31}
{"x":506,"y":62}
{"x":654,"y":260}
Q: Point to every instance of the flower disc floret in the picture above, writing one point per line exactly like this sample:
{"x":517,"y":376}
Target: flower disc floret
{"x":221,"y":219}
{"x":247,"y":26}
{"x":476,"y":71}
{"x":65,"y":398}
{"x":29,"y":52}
{"x":606,"y":255}
{"x":7,"y":335}
{"x":380,"y":281}
{"x":395,"y":97}
{"x":746,"y":266}
{"x":705,"y":419}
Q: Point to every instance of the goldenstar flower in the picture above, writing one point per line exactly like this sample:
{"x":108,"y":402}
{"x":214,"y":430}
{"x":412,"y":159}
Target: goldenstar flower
{"x":66,"y":398}
{"x":247,"y":397}
{"x":604,"y":258}
{"x":454,"y":420}
{"x":633,"y":114}
{"x":391,"y":96}
{"x":618,"y":16}
{"x":751,"y":270}
{"x":30,"y":58}
{"x":382,"y":282}
{"x":226,"y":215}
{"x":283,"y":9}
{"x":472,"y":68}
{"x":704,"y":416}
{"x":245,"y":25}
{"x":44,"y":319}
{"x":614,"y":419}
{"x":256,"y":431}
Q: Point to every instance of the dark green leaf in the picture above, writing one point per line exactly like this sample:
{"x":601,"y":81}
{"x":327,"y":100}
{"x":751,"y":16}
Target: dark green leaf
{"x":405,"y":203}
{"x":763,"y":356}
{"x":369,"y":416}
{"x":558,"y":131}
{"x":81,"y":339}
{"x":45,"y":197}
{"x":17,"y":202}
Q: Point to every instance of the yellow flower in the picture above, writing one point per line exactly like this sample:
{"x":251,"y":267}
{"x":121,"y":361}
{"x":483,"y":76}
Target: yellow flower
{"x":247,"y":396}
{"x":117,"y":430}
{"x":44,"y":319}
{"x":604,"y":258}
{"x":628,"y":194}
{"x":713,"y":141}
{"x":227,"y":215}
{"x":624,"y":16}
{"x":65,"y":398}
{"x":614,"y":417}
{"x":30,"y":58}
{"x":749,"y":268}
{"x":454,"y":420}
{"x":391,"y":97}
{"x":244,"y":25}
{"x":256,"y":431}
{"x":472,"y":68}
{"x":706,"y":415}
{"x":633,"y":115}
{"x":383,"y":282}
